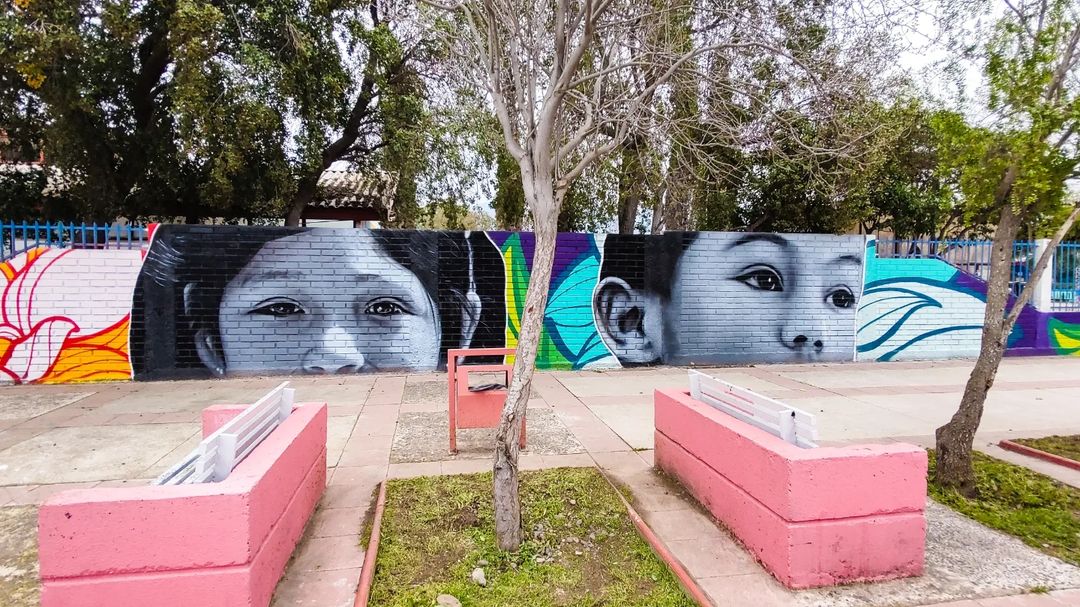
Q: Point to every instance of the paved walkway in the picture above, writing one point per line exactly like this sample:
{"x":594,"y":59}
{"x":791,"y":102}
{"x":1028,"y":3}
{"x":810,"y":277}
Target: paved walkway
{"x":58,"y":437}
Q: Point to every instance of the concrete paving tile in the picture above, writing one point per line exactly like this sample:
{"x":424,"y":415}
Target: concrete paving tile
{"x":172,"y":457}
{"x":342,"y":410}
{"x":333,"y":522}
{"x":683,"y":524}
{"x":414,"y":469}
{"x":531,"y":462}
{"x":26,"y":402}
{"x":349,"y":496}
{"x":469,"y":466}
{"x":39,"y":493}
{"x":317,"y":588}
{"x":749,"y":589}
{"x":570,"y":460}
{"x":632,"y":422}
{"x":179,"y":417}
{"x":363,"y":457}
{"x":648,"y":455}
{"x":358,"y":475}
{"x":388,"y":390}
{"x":1020,"y":600}
{"x":712,"y":556}
{"x":329,"y":554}
{"x":14,"y":436}
{"x":92,"y":453}
{"x":94,"y":417}
{"x":599,"y":439}
{"x":619,"y":461}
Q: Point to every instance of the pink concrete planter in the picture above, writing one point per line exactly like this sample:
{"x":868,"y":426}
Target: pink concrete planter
{"x":813,"y":517}
{"x":212,"y":544}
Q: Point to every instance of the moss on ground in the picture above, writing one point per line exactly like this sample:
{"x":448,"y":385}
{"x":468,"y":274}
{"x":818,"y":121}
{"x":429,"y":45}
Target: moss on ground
{"x":19,"y":586}
{"x":1065,"y":446}
{"x":581,"y":548}
{"x":1042,"y":512}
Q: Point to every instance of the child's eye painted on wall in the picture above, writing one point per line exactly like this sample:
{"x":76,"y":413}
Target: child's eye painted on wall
{"x":330,"y":302}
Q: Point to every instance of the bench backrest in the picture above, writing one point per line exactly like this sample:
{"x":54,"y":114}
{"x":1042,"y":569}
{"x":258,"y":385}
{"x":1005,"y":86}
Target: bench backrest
{"x":219,"y":453}
{"x":793,"y":425}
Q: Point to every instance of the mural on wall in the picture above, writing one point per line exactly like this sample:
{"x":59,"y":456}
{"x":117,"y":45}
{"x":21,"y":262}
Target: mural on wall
{"x":570,"y":339}
{"x":222,"y":300}
{"x":65,"y":315}
{"x":916,"y":309}
{"x":245,"y":300}
{"x":726,"y":298}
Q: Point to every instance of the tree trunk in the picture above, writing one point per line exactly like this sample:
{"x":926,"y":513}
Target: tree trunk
{"x":507,"y":501}
{"x":631,"y":187}
{"x":305,"y":193}
{"x":956,"y":438}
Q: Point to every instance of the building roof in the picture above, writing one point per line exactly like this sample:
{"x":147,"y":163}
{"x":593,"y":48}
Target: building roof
{"x":345,"y":189}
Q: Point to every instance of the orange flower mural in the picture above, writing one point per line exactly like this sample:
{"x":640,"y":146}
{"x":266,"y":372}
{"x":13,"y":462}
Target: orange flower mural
{"x":53,"y":333}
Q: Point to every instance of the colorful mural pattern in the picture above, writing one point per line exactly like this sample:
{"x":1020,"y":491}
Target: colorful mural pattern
{"x":51,"y":333}
{"x":927,"y":309}
{"x":66,"y":314}
{"x":570,"y":339}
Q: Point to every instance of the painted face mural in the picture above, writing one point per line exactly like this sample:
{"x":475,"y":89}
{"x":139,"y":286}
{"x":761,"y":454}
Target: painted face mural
{"x":730,"y":297}
{"x":313,"y":301}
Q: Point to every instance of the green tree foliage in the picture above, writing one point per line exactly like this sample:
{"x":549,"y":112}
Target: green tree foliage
{"x":509,"y":201}
{"x":196,"y":108}
{"x":1015,"y":167}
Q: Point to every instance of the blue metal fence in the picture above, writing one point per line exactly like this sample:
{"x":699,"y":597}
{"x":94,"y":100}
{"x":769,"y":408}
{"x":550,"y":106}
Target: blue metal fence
{"x":971,"y":256}
{"x":1065,"y":277}
{"x":18,"y":237}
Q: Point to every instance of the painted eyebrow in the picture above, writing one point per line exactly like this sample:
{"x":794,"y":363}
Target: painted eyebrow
{"x":855,"y":259}
{"x":289,"y":274}
{"x":775,"y":239}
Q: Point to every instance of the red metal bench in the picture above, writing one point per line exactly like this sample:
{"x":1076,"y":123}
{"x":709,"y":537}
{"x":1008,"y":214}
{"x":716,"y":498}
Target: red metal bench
{"x":471,"y":408}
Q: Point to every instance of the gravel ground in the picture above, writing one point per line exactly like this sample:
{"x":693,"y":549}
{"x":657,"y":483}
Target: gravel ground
{"x":964,"y":560}
{"x":424,"y":437}
{"x":18,"y":556}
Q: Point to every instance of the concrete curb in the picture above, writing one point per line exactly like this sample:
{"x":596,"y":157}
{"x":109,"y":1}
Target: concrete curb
{"x":367,"y":574}
{"x":684,"y":577}
{"x":1039,"y":454}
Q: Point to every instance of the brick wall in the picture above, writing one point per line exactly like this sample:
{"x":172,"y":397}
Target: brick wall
{"x":66,"y":315}
{"x":218,"y":300}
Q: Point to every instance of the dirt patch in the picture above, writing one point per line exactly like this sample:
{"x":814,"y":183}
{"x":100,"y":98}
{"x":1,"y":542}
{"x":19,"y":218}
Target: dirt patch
{"x":424,"y":437}
{"x":434,"y":392}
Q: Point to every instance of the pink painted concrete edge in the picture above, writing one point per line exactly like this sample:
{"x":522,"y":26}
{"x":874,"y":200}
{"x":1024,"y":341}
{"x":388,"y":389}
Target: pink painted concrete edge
{"x":240,"y":531}
{"x":807,"y":554}
{"x":797,"y":484}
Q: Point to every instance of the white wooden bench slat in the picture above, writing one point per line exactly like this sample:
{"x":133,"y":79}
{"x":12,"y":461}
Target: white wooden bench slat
{"x":793,"y":425}
{"x":219,"y":453}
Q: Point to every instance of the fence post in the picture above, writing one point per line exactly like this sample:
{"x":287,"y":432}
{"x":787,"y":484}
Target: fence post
{"x":1043,"y":295}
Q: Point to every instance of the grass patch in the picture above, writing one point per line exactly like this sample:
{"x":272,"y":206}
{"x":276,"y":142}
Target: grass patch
{"x":581,"y":548}
{"x":1042,"y":512}
{"x":1065,"y":446}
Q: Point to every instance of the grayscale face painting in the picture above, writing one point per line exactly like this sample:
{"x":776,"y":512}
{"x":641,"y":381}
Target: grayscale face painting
{"x":331,"y":305}
{"x":733,"y":298}
{"x":782,"y":298}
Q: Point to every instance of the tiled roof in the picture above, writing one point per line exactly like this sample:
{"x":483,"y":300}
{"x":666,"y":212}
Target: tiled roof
{"x":342,"y":189}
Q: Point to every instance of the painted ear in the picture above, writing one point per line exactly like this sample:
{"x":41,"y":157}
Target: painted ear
{"x":470,"y":317}
{"x":209,"y":353}
{"x":206,"y":345}
{"x":622,"y":317}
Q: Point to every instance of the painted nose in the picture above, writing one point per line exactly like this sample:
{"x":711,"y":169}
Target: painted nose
{"x":801,"y":341}
{"x":337,"y":353}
